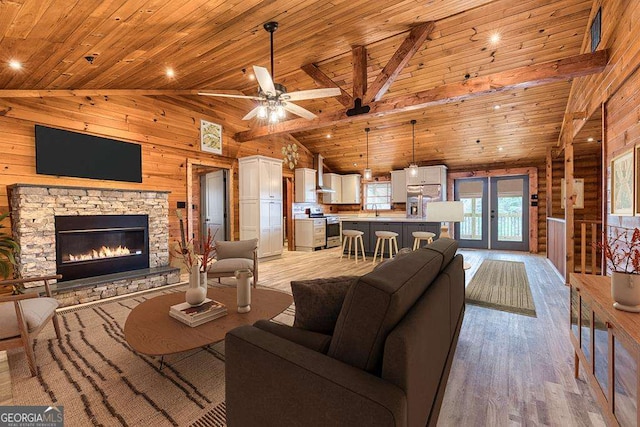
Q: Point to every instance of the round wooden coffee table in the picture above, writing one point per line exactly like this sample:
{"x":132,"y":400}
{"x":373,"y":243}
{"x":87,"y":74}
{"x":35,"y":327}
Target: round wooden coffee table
{"x":150,"y":330}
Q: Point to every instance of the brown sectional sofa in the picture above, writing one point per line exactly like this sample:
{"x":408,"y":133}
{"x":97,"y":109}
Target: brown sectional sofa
{"x":386,"y":363}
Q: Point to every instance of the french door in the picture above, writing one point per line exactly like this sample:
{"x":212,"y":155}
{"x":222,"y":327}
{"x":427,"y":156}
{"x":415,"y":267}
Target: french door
{"x":496,"y":212}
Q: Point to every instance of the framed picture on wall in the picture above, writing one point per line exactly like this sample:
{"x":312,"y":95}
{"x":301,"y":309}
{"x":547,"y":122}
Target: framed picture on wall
{"x":210,"y":137}
{"x":578,"y":189}
{"x":622,"y":184}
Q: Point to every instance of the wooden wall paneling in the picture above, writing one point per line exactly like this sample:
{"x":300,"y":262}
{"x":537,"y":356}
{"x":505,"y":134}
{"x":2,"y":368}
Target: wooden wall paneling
{"x":568,"y":212}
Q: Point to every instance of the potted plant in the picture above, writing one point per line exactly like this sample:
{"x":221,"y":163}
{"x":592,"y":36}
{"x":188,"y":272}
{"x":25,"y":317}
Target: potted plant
{"x":8,"y":249}
{"x":621,"y":250}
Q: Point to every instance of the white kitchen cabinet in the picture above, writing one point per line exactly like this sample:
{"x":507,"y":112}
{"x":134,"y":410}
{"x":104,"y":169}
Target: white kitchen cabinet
{"x":260,"y":177}
{"x":305,"y":185}
{"x":334,"y":182}
{"x":350,"y":189}
{"x":310,"y":233}
{"x":428,"y":175}
{"x":260,"y":182}
{"x":398,"y":186}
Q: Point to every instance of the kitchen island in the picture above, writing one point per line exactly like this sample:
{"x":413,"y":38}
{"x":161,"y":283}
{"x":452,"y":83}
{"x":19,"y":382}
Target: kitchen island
{"x":403,"y":226}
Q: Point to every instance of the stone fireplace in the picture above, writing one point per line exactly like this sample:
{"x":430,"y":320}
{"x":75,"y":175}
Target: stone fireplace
{"x":76,"y":232}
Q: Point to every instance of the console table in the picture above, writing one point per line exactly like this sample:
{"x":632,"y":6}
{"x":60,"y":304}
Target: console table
{"x":607,"y":343}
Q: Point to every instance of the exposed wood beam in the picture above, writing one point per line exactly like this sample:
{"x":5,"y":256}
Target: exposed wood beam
{"x":17,"y":93}
{"x":523,"y":77}
{"x":359,"y":57}
{"x":325,"y":81}
{"x":400,"y":58}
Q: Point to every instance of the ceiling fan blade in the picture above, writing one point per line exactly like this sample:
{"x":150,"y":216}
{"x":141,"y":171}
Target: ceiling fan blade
{"x":228,"y":95}
{"x":298,"y":110}
{"x":264,"y":80}
{"x":251,"y":114}
{"x":312,"y":94}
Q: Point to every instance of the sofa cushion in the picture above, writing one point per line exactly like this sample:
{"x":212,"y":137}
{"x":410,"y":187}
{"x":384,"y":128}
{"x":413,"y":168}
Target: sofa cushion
{"x":379,"y":300}
{"x":311,"y":340}
{"x":230,"y":265}
{"x":35,"y":310}
{"x":319,"y":301}
{"x":236,"y":249}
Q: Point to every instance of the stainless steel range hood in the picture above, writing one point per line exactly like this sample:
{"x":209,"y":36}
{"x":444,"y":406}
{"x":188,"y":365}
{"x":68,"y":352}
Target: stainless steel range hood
{"x":319,"y":164}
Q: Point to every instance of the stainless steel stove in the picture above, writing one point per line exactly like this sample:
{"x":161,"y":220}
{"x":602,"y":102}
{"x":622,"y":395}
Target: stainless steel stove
{"x":333,"y":231}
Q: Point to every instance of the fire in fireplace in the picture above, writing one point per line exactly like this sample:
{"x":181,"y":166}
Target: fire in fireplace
{"x":94,"y":245}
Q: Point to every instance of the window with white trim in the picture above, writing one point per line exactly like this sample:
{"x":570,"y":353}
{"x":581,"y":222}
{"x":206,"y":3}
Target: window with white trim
{"x":377,"y":196}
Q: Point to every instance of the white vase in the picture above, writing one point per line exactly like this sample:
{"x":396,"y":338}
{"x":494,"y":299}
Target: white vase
{"x":625,"y":291}
{"x":195,"y":294}
{"x":243,"y":290}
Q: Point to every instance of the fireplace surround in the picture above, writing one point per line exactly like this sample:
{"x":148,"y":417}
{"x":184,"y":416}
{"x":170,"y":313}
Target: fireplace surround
{"x":34,"y":209}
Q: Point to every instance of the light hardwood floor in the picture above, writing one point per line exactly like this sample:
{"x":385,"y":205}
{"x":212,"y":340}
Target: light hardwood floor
{"x":508,"y":369}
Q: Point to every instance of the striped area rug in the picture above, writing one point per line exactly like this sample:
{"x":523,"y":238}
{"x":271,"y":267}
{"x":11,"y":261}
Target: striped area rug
{"x":502,"y":285}
{"x":100,"y":380}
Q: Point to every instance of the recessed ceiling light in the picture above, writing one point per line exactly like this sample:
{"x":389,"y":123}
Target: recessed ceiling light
{"x":252,"y":76}
{"x":494,"y":38}
{"x":500,"y":148}
{"x":328,"y":136}
{"x":590,"y":139}
{"x":355,"y":165}
{"x":496,"y":107}
{"x":170,"y":72}
{"x":16,"y":65}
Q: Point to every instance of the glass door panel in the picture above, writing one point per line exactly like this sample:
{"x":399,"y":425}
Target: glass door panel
{"x":510,"y":213}
{"x":625,"y":385}
{"x":472,"y":232}
{"x":585,"y":329}
{"x":575,"y":313}
{"x":600,"y":353}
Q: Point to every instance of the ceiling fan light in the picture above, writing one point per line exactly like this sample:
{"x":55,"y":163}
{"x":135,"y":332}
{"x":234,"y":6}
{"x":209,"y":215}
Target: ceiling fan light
{"x":273,"y":116}
{"x":413,"y":169}
{"x":262,"y":112}
{"x":367,"y":174}
{"x":280,"y":110}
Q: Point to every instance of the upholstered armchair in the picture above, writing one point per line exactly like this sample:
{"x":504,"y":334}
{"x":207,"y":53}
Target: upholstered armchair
{"x":236,"y":255}
{"x":23,"y":316}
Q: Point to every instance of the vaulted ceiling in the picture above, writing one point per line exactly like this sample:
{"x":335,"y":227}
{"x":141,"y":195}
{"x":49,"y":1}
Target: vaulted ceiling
{"x":213,"y":44}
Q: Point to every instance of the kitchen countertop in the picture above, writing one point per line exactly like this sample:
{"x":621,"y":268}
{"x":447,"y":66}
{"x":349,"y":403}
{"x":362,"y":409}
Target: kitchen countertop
{"x":381,"y":219}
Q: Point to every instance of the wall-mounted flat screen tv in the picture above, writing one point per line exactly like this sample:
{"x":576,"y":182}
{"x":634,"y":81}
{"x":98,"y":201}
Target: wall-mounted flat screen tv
{"x":63,"y":153}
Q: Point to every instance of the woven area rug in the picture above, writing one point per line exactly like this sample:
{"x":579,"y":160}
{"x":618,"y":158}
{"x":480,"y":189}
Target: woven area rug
{"x":502,"y":285}
{"x":100,"y":380}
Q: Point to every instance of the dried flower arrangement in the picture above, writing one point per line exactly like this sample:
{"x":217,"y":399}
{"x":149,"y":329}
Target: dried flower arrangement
{"x":203,"y":257}
{"x":621,"y":248}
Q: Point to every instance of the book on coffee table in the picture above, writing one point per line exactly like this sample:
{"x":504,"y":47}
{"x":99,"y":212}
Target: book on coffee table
{"x":194,"y":316}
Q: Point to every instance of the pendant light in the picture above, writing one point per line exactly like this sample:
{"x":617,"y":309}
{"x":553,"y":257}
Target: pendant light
{"x":413,"y":168}
{"x":367,"y":171}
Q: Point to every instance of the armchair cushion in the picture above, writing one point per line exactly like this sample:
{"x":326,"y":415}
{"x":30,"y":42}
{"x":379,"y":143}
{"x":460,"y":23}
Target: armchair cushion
{"x":236,"y":249}
{"x":319,"y":301}
{"x":36,"y":311}
{"x":230,"y":265}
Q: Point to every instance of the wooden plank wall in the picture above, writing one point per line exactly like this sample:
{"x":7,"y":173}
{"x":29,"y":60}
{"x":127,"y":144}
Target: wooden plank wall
{"x":618,"y":86}
{"x":168,"y":134}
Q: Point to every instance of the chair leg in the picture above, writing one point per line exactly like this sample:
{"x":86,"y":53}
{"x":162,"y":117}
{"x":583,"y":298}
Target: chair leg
{"x":349,"y":253}
{"x":364,"y":257}
{"x":395,"y":244}
{"x":56,"y":325}
{"x":375,"y":252}
{"x":415,"y":244}
{"x":31,"y":357}
{"x":390,"y":248}
{"x":355,"y":248}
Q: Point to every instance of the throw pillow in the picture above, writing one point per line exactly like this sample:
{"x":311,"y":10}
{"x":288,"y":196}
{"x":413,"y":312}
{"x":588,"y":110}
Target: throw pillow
{"x":319,"y":301}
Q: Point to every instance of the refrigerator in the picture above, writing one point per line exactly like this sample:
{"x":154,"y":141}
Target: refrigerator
{"x":419,"y":195}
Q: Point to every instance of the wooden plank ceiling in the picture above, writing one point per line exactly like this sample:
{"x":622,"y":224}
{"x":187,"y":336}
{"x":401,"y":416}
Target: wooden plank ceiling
{"x":213,"y":44}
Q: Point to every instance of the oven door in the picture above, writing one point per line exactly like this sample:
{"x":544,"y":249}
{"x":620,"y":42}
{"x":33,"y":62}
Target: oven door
{"x":333,"y":234}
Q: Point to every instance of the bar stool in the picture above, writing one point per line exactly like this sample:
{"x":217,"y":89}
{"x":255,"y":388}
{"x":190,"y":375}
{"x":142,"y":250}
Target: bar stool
{"x":383,"y":236}
{"x":422,"y":235}
{"x":350,"y":235}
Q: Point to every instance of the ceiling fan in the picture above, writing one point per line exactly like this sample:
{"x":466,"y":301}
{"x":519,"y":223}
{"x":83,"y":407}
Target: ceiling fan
{"x":273,"y":98}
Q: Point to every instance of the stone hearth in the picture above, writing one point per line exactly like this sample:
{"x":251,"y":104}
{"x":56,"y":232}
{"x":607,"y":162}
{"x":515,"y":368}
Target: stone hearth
{"x":34,"y":208}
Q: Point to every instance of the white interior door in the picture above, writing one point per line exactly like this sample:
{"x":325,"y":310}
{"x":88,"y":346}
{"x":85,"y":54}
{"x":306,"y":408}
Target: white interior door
{"x":215,"y":212}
